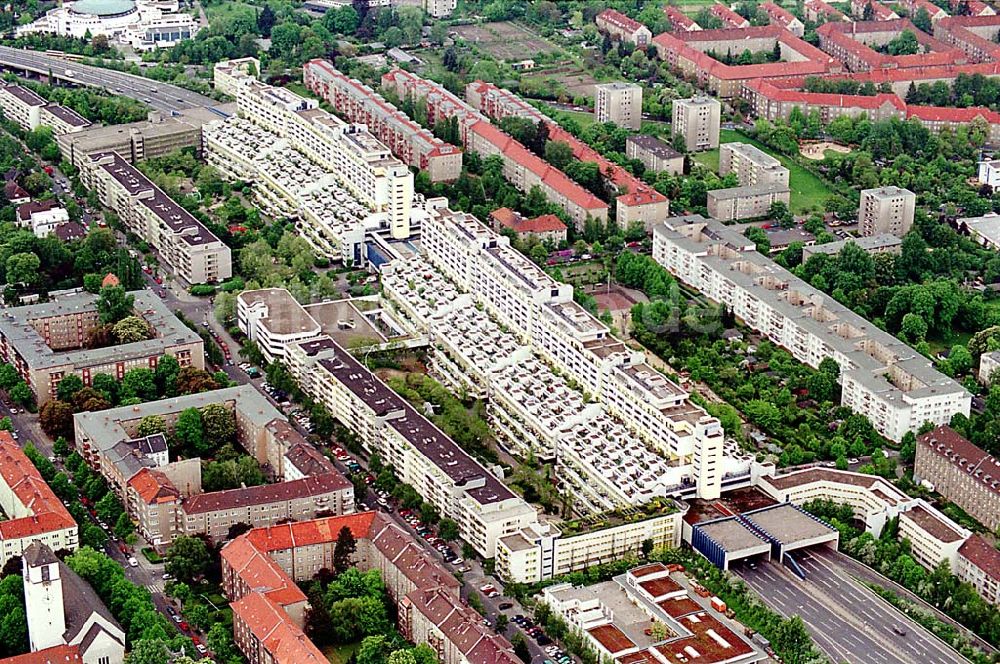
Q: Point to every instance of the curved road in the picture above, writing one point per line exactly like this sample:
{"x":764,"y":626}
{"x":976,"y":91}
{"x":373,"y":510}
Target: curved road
{"x":161,"y":96}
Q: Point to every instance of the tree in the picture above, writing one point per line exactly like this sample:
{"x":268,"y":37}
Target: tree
{"x":188,"y":558}
{"x":647,"y":547}
{"x":150,"y":425}
{"x":22,"y":394}
{"x":114,"y":304}
{"x":9,"y":376}
{"x":106,"y":385}
{"x":131,"y":329}
{"x":559,"y":154}
{"x":165,"y":375}
{"x":218,"y":423}
{"x":69,"y":386}
{"x":56,"y":418}
{"x":792,"y":641}
{"x":343,"y":550}
{"x":501,"y":623}
{"x":266,"y":20}
{"x":190,"y":432}
{"x":913,"y":328}
{"x":448,"y":530}
{"x":139,"y":383}
{"x":23,"y":269}
{"x":759,"y":237}
{"x":922,"y":19}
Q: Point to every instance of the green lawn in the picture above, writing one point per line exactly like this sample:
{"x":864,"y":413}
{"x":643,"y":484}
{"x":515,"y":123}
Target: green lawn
{"x":341,"y":654}
{"x":583,"y":118}
{"x":225,"y":10}
{"x":808,"y":191}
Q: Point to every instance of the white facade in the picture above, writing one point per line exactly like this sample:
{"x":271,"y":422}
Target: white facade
{"x":142,"y":24}
{"x":229,"y":76}
{"x":41,"y":219}
{"x":886,"y":210}
{"x":272,"y":319}
{"x":882,"y":378}
{"x":989,"y":173}
{"x":43,"y":604}
{"x":933,"y":536}
{"x":620,"y":103}
{"x":753,"y":167}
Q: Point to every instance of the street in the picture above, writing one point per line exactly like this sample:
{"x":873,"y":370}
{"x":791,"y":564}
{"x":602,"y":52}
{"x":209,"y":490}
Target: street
{"x":848,"y":622}
{"x":161,"y":96}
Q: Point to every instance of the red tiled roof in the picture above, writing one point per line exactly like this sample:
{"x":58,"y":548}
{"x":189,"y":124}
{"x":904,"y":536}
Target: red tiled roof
{"x":26,"y":210}
{"x":620,"y":20}
{"x":728,"y":16}
{"x":822,"y":7}
{"x":303,"y":533}
{"x":961,"y":453}
{"x":266,"y":493}
{"x":679,"y":19}
{"x":914,"y":74}
{"x":276,"y":631}
{"x":47,"y":511}
{"x":843,"y":35}
{"x":869,"y":102}
{"x":152,"y":486}
{"x":815,"y":62}
{"x":548,"y":174}
{"x":54,"y":655}
{"x":955,"y":115}
{"x":982,"y":554}
{"x":778,"y":15}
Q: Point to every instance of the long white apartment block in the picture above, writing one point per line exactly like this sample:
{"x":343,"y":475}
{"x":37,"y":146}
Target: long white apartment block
{"x":336,"y":179}
{"x":535,"y":411}
{"x":881,"y":377}
{"x":541,"y":312}
{"x":753,"y":167}
{"x":421,"y":454}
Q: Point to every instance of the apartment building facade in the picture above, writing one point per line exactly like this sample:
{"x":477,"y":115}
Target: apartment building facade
{"x":635,"y":200}
{"x":46,"y":342}
{"x":881,"y":377}
{"x":752,"y":166}
{"x":194,"y":253}
{"x":619,"y":103}
{"x":979,"y":565}
{"x":786,"y":19}
{"x":31,"y":111}
{"x":933,"y":536}
{"x":976,"y":36}
{"x":621,"y":27}
{"x":886,"y":210}
{"x":962,"y":472}
{"x":697,"y":120}
{"x":746,"y":202}
{"x":410,"y":142}
{"x":655,"y":155}
{"x":33,"y":512}
{"x":262,"y":568}
{"x":229,"y":76}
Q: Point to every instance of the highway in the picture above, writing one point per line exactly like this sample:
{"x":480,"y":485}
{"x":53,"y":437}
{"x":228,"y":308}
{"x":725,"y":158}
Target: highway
{"x":847,"y":621}
{"x":161,"y":96}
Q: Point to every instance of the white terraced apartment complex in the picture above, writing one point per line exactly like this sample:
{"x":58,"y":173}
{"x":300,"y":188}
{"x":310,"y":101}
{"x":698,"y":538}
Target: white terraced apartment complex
{"x":541,"y":313}
{"x":337,"y":179}
{"x":882,"y":378}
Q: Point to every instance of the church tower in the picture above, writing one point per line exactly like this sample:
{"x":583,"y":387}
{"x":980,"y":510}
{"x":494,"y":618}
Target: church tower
{"x":43,"y":597}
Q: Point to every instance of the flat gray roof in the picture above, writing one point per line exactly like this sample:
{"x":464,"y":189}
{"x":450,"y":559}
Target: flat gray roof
{"x":868,"y":243}
{"x":106,"y":430}
{"x":732,"y":535}
{"x":744,"y":192}
{"x":15,"y":327}
{"x":788,"y":524}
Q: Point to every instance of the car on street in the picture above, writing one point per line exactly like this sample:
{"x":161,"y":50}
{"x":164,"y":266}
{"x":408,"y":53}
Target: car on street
{"x":132,"y":562}
{"x":503,"y":606}
{"x":201,"y":649}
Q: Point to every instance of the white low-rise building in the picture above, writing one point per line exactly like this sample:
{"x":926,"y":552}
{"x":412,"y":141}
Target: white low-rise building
{"x":229,"y":76}
{"x":984,"y":230}
{"x":882,"y":378}
{"x":41,"y":217}
{"x":142,"y":24}
{"x":933,"y":536}
{"x":989,"y":173}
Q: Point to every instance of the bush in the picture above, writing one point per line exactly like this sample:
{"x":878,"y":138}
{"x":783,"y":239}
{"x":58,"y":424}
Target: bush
{"x":202,"y":289}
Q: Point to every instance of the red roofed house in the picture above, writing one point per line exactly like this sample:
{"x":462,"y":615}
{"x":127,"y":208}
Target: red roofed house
{"x":55,"y":655}
{"x":545,"y":227}
{"x":936,"y":13}
{"x":818,"y":11}
{"x":784,"y":18}
{"x":110,"y":279}
{"x":15,"y":193}
{"x":979,"y":564}
{"x":729,"y":18}
{"x":620,"y":26}
{"x":961,"y":472}
{"x":260,"y":570}
{"x":973,"y":7}
{"x":33,"y":511}
{"x":879,"y":12}
{"x":975,"y":35}
{"x":679,"y":20}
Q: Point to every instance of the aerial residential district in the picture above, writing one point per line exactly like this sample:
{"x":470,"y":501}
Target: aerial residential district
{"x":499,"y":331}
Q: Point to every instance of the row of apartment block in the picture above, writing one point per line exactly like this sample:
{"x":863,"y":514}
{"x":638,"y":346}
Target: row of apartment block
{"x":193,"y":252}
{"x":976,"y":36}
{"x":746,"y":202}
{"x":262,"y":571}
{"x":894,"y":386}
{"x":858,"y":45}
{"x":165,"y":498}
{"x":522,"y":168}
{"x":771,"y":102}
{"x":30,"y":111}
{"x":752,"y":166}
{"x":636,"y":200}
{"x":409,"y":141}
{"x":336,"y":179}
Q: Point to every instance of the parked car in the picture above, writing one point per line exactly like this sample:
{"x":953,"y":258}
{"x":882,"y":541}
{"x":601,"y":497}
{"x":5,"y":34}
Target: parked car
{"x":132,"y":562}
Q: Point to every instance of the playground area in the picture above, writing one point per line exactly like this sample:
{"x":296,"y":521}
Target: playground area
{"x":614,"y":298}
{"x":817,"y":151}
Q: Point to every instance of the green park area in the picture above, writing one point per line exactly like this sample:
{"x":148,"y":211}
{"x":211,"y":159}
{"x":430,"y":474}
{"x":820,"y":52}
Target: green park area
{"x":808,"y":191}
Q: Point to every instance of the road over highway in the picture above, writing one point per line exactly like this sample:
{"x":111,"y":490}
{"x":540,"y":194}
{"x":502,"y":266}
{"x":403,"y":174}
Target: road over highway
{"x":161,"y":96}
{"x":848,"y":622}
